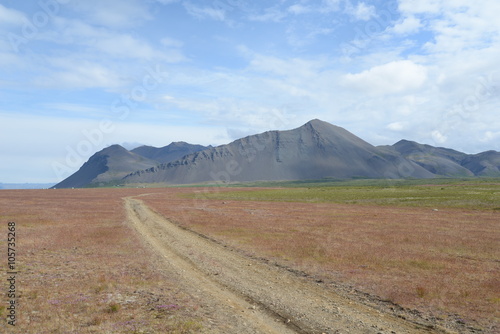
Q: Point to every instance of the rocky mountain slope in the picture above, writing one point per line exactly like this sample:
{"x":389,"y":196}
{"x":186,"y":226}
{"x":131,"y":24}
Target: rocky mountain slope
{"x":113,"y":163}
{"x":313,"y":151}
{"x":447,"y":162}
{"x":169,"y":153}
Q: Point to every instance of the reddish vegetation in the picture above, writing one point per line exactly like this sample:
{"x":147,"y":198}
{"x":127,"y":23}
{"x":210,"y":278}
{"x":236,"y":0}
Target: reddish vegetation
{"x":83,"y":269}
{"x":440,"y":262}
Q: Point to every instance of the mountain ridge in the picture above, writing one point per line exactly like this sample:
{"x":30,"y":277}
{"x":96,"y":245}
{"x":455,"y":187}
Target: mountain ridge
{"x":449,"y":162}
{"x":314,"y":150}
{"x":114,"y":162}
{"x":171,"y":152}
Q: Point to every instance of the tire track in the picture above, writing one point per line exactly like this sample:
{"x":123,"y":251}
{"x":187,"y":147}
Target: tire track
{"x":152,"y":228}
{"x":256,"y":295}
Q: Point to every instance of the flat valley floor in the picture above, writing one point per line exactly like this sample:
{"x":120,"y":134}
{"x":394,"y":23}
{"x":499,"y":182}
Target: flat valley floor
{"x":211,"y":260}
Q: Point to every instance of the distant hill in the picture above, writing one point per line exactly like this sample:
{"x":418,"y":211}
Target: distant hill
{"x":437,"y":160}
{"x":314,"y":150}
{"x":109,"y":164}
{"x":483,"y":164}
{"x":113,"y":163}
{"x":169,"y":153}
{"x":447,"y":162}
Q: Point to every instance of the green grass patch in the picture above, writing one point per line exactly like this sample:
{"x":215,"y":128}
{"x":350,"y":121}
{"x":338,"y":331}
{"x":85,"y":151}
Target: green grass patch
{"x":467,"y":193}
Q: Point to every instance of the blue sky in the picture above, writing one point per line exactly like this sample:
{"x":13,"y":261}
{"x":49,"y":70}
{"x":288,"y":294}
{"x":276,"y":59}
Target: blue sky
{"x":79,"y":75}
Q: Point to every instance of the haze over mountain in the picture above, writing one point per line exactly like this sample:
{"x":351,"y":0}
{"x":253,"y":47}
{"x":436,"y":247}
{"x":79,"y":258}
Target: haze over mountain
{"x":313,"y":151}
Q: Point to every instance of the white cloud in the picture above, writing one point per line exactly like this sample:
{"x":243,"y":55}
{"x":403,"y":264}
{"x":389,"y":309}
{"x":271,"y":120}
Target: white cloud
{"x":236,"y":112}
{"x":299,"y":37}
{"x":397,"y":126}
{"x":49,"y":141}
{"x":82,"y":74}
{"x":451,"y":49}
{"x":362,"y":11}
{"x":116,"y":44}
{"x":298,"y":9}
{"x":112,"y":43}
{"x":126,"y":46}
{"x":293,"y":67}
{"x":490,"y":136}
{"x":202,"y":12}
{"x":76,"y":110}
{"x":456,"y":24}
{"x":409,"y":25}
{"x":330,"y":6}
{"x":420,"y":7}
{"x":11,"y":16}
{"x":171,"y":42}
{"x":167,"y":2}
{"x":438,"y":137}
{"x":272,"y":14}
{"x":8,"y":59}
{"x":113,"y":13}
{"x":394,"y":77}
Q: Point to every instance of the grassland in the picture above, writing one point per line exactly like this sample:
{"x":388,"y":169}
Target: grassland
{"x":445,"y":193}
{"x":429,"y":247}
{"x":83,"y":270}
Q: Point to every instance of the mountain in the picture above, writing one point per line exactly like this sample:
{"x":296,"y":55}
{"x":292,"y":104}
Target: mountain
{"x":437,"y":160}
{"x":109,"y":164}
{"x":451,"y":163}
{"x":312,"y":151}
{"x":483,"y":164}
{"x":169,"y":153}
{"x":113,"y":163}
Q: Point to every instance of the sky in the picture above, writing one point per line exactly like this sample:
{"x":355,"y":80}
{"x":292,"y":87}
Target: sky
{"x":79,"y":75}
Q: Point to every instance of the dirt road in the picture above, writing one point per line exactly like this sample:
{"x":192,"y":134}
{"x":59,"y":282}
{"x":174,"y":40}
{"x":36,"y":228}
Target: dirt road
{"x":250,"y":296}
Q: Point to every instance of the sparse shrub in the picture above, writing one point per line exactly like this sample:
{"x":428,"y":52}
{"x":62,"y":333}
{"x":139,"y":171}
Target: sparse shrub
{"x":96,"y":321}
{"x":186,"y":326}
{"x":421,"y":292}
{"x":33,"y":294}
{"x":100,"y":288}
{"x":113,"y":308}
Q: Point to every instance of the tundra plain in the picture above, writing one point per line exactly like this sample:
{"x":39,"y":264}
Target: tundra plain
{"x":427,"y":253}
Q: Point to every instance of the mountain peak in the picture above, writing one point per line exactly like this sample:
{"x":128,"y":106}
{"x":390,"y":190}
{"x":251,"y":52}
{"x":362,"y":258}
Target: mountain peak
{"x":319,"y":124}
{"x":113,"y":148}
{"x":169,"y":153}
{"x":322,"y":126}
{"x":314,"y":150}
{"x":316,"y":121}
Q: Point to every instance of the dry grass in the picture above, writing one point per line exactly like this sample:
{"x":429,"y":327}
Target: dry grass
{"x":83,"y":270}
{"x":444,"y":263}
